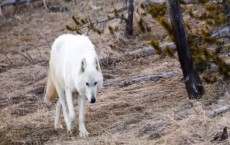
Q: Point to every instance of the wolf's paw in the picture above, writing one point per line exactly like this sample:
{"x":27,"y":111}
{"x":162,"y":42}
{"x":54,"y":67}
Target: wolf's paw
{"x":47,"y":102}
{"x":84,"y":133}
{"x":69,"y":133}
{"x":56,"y":127}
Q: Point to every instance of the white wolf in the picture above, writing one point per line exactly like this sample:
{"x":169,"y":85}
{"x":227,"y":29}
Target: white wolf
{"x":73,"y":68}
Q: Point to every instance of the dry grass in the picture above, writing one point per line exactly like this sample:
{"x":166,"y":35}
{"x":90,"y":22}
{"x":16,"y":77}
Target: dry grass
{"x":156,"y":112}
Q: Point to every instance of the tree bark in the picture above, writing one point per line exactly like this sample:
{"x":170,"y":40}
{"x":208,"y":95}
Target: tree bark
{"x":129,"y":22}
{"x":192,"y":80}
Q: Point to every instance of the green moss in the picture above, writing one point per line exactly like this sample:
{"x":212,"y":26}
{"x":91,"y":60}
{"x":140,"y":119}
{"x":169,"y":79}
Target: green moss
{"x":166,"y":25}
{"x":115,"y":12}
{"x":169,"y":51}
{"x":156,"y":46}
{"x":76,"y":21}
{"x":157,"y":10}
{"x":199,"y":38}
{"x":201,"y":63}
{"x":141,"y":25}
{"x":209,"y":78}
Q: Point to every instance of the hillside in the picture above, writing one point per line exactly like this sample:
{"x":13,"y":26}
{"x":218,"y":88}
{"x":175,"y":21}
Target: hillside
{"x":156,"y":112}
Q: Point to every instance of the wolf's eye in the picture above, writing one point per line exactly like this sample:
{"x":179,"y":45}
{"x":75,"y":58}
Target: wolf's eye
{"x":87,"y":84}
{"x":95,"y":83}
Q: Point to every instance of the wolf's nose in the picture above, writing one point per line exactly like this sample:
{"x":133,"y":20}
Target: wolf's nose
{"x":93,"y":100}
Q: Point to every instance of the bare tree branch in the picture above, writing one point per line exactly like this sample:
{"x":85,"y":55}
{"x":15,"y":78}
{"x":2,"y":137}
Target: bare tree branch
{"x":11,"y":63}
{"x":109,"y":19}
{"x":29,"y":56}
{"x":23,"y":56}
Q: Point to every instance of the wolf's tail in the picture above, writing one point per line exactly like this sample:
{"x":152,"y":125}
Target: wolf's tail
{"x":50,"y":92}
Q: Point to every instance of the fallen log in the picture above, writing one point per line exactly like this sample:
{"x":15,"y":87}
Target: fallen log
{"x":16,"y":2}
{"x":221,"y":135}
{"x":148,"y":2}
{"x":223,"y":32}
{"x":109,"y":61}
{"x":219,"y":111}
{"x":13,"y":2}
{"x":147,"y":51}
{"x":145,"y":78}
{"x":150,"y":50}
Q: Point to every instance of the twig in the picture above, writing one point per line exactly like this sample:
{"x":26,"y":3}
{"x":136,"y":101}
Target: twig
{"x":44,"y":3}
{"x":45,"y":38}
{"x":38,"y":50}
{"x":25,"y":51}
{"x":36,"y":47}
{"x":24,"y":56}
{"x":11,"y":63}
{"x":29,"y":56}
{"x":91,"y":24}
{"x":106,"y":20}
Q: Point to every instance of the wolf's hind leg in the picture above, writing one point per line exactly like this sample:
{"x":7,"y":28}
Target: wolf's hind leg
{"x":57,"y":115}
{"x":50,"y":90}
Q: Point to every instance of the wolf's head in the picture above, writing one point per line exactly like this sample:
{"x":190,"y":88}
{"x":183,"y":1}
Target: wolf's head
{"x":91,"y":80}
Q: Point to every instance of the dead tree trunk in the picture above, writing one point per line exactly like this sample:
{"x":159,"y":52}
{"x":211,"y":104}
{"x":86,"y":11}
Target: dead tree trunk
{"x":129,"y":21}
{"x":192,"y":80}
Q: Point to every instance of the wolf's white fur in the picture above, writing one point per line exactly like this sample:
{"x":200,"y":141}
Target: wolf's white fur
{"x":73,"y":67}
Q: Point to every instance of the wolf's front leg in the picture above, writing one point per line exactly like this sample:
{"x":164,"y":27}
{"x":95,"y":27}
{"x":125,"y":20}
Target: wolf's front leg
{"x":61,"y":94}
{"x":82,"y":129}
{"x":69,"y":100}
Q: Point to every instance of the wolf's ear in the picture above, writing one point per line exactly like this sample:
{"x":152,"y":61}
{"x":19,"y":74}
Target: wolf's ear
{"x":83,"y":65}
{"x":96,"y":64}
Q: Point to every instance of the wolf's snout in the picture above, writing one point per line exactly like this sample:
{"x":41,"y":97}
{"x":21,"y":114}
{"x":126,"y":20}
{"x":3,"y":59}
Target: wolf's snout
{"x":93,"y":100}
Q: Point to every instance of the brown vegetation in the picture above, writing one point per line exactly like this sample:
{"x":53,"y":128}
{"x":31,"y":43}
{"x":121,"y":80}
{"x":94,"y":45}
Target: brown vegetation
{"x":152,"y":112}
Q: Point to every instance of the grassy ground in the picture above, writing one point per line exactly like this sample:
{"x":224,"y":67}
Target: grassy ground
{"x":155,"y":112}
